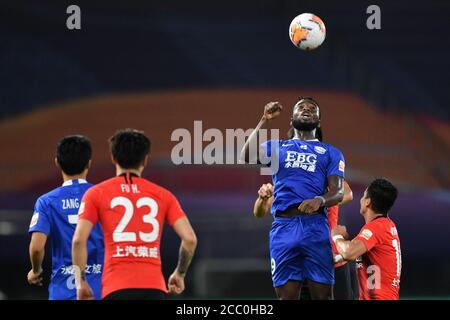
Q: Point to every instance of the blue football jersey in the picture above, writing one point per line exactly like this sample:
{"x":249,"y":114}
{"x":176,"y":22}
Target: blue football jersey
{"x":303,"y":169}
{"x":56,"y":215}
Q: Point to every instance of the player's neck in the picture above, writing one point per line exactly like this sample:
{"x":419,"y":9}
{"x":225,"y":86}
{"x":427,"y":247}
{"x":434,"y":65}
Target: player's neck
{"x":305,"y":135}
{"x":120,"y":171}
{"x":74,"y":177}
{"x":370,"y":216}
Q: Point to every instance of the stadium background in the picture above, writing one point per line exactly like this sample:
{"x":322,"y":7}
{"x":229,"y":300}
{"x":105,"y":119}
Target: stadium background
{"x":160,"y":66}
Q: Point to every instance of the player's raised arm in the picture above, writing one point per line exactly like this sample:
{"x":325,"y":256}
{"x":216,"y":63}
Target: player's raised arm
{"x":188,"y":238}
{"x":264,"y":202}
{"x":79,"y":258}
{"x":271,"y":111}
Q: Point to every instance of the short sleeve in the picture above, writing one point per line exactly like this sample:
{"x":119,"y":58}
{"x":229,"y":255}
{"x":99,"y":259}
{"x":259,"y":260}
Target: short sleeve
{"x":336,"y":165}
{"x":174,"y":210}
{"x":369,"y":235}
{"x":89,"y":209}
{"x":40,"y":221}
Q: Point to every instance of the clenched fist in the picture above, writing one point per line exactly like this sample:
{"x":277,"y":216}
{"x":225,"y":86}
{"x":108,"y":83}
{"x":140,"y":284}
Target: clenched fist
{"x":272,"y":110}
{"x":266,"y":191}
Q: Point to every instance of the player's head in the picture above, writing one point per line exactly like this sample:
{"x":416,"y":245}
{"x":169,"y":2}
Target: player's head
{"x":379,"y":197}
{"x":130,"y":149}
{"x":305,"y":114}
{"x":73,"y":154}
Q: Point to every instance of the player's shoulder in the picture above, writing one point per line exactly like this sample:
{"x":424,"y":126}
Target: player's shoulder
{"x":48,"y":197}
{"x":154,"y":187}
{"x":380,"y":225}
{"x":329,"y":147}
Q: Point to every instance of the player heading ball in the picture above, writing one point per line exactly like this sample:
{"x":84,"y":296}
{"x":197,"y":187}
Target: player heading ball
{"x":132,"y":212}
{"x":309,"y":181}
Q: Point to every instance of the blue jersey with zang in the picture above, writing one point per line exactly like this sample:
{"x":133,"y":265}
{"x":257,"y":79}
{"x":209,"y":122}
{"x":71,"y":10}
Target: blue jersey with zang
{"x":303,"y":169}
{"x":56,"y":214}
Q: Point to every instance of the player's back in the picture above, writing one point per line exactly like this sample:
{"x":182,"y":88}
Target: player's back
{"x":55,"y":214}
{"x":132,"y":212}
{"x":379,"y":269}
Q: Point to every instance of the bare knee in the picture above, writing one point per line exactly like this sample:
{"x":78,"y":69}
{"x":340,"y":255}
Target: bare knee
{"x":289,"y":291}
{"x":320,"y":291}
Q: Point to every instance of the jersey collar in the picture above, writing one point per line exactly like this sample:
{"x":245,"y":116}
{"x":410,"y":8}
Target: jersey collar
{"x":74,"y":181}
{"x":305,"y":140}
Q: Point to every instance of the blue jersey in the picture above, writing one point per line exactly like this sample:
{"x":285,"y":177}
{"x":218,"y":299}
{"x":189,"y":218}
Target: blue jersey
{"x":56,"y":214}
{"x":304,"y":166}
{"x":300,"y":246}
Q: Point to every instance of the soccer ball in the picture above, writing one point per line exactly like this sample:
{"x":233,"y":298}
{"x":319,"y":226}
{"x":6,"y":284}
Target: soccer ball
{"x":307,"y":31}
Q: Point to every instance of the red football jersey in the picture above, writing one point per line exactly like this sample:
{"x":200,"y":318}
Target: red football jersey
{"x":132,"y":212}
{"x":379,"y":269}
{"x":333,"y":214}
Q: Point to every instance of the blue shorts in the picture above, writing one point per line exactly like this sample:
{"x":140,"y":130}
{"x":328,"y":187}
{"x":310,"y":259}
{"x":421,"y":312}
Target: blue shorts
{"x":300,"y":249}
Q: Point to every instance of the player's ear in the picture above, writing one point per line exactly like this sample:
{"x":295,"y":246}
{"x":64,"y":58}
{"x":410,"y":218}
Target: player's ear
{"x":57,"y":164}
{"x":368,"y":202}
{"x":146,"y":161}
{"x":114,"y":161}
{"x":89,"y":165}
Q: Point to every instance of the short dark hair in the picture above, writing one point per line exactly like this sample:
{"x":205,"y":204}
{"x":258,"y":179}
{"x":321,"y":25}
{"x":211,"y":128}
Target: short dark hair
{"x":310,"y":99}
{"x":73,"y":154}
{"x":382,"y":194}
{"x":129,"y":147}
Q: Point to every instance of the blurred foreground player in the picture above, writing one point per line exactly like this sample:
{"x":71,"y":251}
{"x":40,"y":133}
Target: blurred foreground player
{"x":132,"y":212}
{"x":377,"y":246}
{"x":56,"y":214}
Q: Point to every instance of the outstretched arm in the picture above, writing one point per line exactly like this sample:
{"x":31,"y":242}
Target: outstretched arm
{"x":264,"y":202}
{"x":271,"y":111}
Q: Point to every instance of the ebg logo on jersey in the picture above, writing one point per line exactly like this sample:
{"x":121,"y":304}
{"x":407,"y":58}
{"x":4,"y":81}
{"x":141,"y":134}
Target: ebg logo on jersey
{"x":305,"y":161}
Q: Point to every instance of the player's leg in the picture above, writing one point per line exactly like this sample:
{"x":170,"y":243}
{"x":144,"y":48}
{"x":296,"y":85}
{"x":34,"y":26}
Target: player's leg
{"x":320,"y":291}
{"x":343,"y":285}
{"x":353,"y":280}
{"x":287,"y":275}
{"x":318,"y":264}
{"x":289,"y":291}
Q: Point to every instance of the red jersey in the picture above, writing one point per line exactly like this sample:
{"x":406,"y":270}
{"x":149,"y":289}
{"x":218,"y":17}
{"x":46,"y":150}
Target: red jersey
{"x":380,"y":267}
{"x":132,"y":212}
{"x":333,"y":214}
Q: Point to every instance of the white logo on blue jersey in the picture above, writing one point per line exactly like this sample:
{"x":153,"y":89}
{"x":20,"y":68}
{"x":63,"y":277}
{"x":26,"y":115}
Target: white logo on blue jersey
{"x":320,"y":150}
{"x":305,"y":161}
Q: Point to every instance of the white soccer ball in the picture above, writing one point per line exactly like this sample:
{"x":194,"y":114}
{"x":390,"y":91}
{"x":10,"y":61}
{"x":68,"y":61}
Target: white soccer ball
{"x":307,"y":31}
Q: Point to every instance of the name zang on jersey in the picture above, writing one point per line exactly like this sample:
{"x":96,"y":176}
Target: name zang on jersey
{"x":70,"y":204}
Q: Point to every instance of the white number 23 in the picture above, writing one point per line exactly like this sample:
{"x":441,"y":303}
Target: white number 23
{"x":119,"y":235}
